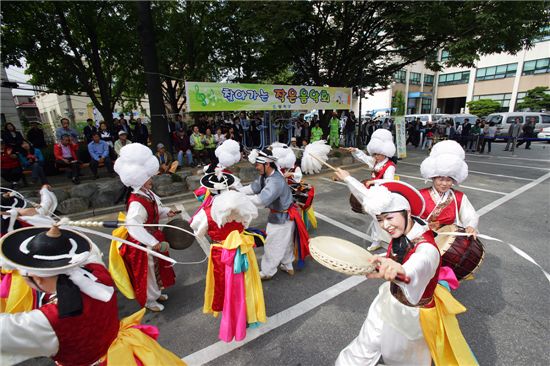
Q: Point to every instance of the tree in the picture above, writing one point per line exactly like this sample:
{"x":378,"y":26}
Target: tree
{"x":74,"y":47}
{"x":398,"y":102}
{"x":483,"y":107}
{"x":536,"y":99}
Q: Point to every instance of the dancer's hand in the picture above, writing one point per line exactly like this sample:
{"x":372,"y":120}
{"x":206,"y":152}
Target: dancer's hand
{"x":434,"y":225}
{"x":388,"y":269}
{"x":369,"y":183}
{"x":342,"y":174}
{"x":172,"y":213}
{"x":471,"y":231}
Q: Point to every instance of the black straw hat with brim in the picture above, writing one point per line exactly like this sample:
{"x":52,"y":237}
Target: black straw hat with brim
{"x":212,"y":181}
{"x":11,"y":199}
{"x":33,"y":248}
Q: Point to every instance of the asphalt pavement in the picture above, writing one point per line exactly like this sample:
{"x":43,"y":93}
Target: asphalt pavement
{"x":317,"y":312}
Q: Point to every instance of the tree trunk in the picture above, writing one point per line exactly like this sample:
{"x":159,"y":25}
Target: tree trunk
{"x":159,"y":126}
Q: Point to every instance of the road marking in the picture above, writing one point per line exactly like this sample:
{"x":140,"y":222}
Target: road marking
{"x":461,"y":186}
{"x":478,"y":172}
{"x":203,"y":242}
{"x":506,"y":157}
{"x":220,"y":348}
{"x":509,"y":165}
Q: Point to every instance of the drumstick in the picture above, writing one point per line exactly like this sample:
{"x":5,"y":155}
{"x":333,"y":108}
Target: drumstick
{"x":400,"y":277}
{"x":322,"y":162}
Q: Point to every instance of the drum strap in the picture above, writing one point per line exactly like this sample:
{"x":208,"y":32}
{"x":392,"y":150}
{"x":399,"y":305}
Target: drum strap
{"x":457,"y":218}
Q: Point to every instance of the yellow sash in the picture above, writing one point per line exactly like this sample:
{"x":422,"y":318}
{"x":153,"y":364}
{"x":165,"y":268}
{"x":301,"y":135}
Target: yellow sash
{"x":442,"y":332}
{"x":311,"y":217}
{"x":20,"y":298}
{"x":132,"y":343}
{"x":117,"y":268}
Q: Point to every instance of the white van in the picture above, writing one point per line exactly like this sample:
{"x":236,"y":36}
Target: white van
{"x":505,"y":119}
{"x":425,"y":118}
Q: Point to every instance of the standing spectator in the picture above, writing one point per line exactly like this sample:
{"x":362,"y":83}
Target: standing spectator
{"x":219,"y":137}
{"x":334,"y":133}
{"x":99,"y":153}
{"x":196,"y":140}
{"x":316,"y":132}
{"x":417,"y":134}
{"x":167,"y":165}
{"x":513,"y":133}
{"x":89,"y":130}
{"x":35,"y":135}
{"x":475,"y":131}
{"x":450,"y":131}
{"x":528,"y":133}
{"x":210,"y":144}
{"x":428,"y":140}
{"x":66,"y":130}
{"x":65,"y":153}
{"x":124,"y":126}
{"x":238,"y":130}
{"x":31,"y":158}
{"x":171,"y":127}
{"x":466,"y":133}
{"x":349,"y":130}
{"x":179,"y":122}
{"x":182,"y":145}
{"x":121,"y":142}
{"x":10,"y":165}
{"x":489,"y":137}
{"x":11,"y":136}
{"x":116,"y":127}
{"x":245,"y":124}
{"x":484,"y":128}
{"x":141,"y":133}
{"x":107,"y":136}
{"x":255,"y":128}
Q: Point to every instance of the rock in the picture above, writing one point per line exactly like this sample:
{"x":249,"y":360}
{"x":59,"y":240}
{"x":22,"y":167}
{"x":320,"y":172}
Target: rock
{"x":185,"y":173}
{"x":73,"y":205}
{"x":61,"y":194}
{"x":248,"y":173}
{"x":86,"y":190}
{"x":115,"y":185}
{"x":347,"y":160}
{"x":193,"y":182}
{"x":172,"y":189}
{"x":335,"y":162}
{"x":105,"y":198}
{"x":161,"y":180}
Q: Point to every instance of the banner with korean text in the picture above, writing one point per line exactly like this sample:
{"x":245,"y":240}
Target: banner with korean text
{"x":214,"y":97}
{"x":400,"y":137}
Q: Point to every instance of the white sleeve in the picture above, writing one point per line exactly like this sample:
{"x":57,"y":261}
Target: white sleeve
{"x":246,"y":190}
{"x":163,"y":210}
{"x":389,"y":173}
{"x":361,"y":156}
{"x":357,"y":188}
{"x":26,"y":335}
{"x":297,"y":175}
{"x":138,"y":215}
{"x":199,"y":223}
{"x":467,"y":213}
{"x":420,"y":268}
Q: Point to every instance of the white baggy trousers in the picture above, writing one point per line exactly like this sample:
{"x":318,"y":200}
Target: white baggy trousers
{"x":278,"y":248}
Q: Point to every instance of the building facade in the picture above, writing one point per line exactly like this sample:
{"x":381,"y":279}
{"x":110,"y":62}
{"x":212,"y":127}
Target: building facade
{"x":502,"y":77}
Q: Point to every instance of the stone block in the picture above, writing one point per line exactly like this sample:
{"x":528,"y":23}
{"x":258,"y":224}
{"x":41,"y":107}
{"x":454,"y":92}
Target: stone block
{"x":248,"y":173}
{"x":172,"y":189}
{"x":73,"y":205}
{"x":61,"y":194}
{"x":193,"y":182}
{"x":161,"y":180}
{"x":85,"y":190}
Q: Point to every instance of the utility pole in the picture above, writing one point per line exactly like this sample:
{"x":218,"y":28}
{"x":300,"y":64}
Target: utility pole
{"x":159,"y":125}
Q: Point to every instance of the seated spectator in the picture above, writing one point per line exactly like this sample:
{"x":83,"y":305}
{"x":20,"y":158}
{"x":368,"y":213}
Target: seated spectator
{"x":125,"y":127}
{"x":140,"y":133}
{"x":66,"y":130}
{"x":11,"y":136}
{"x":105,"y":134}
{"x":122,"y":141}
{"x":210,"y":144}
{"x":89,"y":129}
{"x":31,"y":158}
{"x":166,"y":163}
{"x":65,"y":153}
{"x":182,"y":146}
{"x":10,"y":165}
{"x":99,"y":153}
{"x":35,"y":135}
{"x":219,"y":137}
{"x":197,"y":142}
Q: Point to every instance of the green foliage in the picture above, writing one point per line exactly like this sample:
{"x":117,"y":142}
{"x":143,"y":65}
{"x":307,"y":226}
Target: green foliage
{"x":483,"y":107}
{"x":537,"y":99}
{"x":398,"y":102}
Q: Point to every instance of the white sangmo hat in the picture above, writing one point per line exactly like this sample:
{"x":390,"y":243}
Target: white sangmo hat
{"x":135,"y":165}
{"x":381,"y":143}
{"x":446,"y":160}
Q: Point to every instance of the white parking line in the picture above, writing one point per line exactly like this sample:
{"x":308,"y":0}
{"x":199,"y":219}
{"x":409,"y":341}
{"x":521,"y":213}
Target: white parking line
{"x":510,"y":165}
{"x":506,"y":157}
{"x":219,"y":349}
{"x":477,"y":172}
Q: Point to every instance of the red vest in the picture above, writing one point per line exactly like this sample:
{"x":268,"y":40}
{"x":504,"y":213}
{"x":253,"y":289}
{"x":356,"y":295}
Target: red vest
{"x":85,"y":338}
{"x":426,"y":299}
{"x":136,"y":260}
{"x":380,"y":173}
{"x":216,"y":233}
{"x":447,"y":215}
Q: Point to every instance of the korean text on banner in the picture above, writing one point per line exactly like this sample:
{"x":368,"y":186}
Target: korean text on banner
{"x":401,"y":137}
{"x":214,"y":97}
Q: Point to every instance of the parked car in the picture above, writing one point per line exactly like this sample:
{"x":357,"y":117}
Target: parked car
{"x":544,"y":134}
{"x":457,"y":119}
{"x":504,"y":119}
{"x":425,"y":118}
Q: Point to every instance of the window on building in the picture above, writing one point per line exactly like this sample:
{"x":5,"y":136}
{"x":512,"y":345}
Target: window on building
{"x":428,"y":79}
{"x":533,"y":67}
{"x":444,"y":55}
{"x":426,"y":105}
{"x":521,"y":96}
{"x":545,"y":37}
{"x":400,"y":76}
{"x":503,"y":99}
{"x":496,"y":72}
{"x":414,"y":78}
{"x":454,"y":78}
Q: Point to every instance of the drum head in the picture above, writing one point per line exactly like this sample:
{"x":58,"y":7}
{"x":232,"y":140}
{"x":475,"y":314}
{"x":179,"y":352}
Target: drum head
{"x":340,"y":255}
{"x":444,"y":242}
{"x":178,"y":239}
